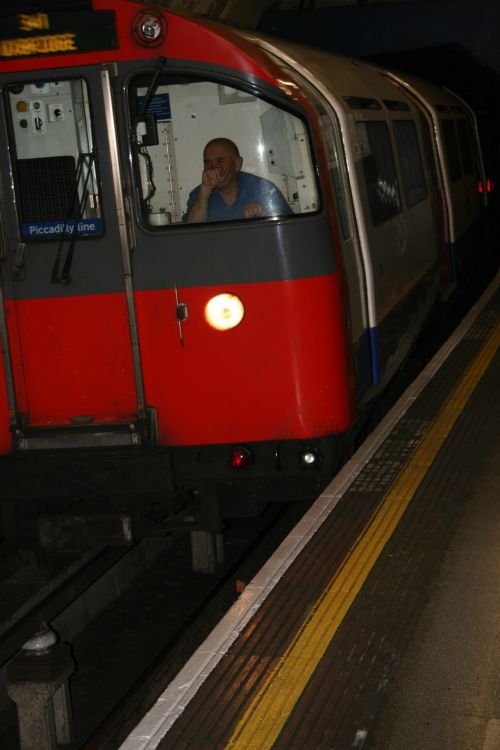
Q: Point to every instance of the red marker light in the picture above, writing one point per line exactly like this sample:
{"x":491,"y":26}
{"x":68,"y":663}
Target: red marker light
{"x":240,"y":457}
{"x":490,"y":185}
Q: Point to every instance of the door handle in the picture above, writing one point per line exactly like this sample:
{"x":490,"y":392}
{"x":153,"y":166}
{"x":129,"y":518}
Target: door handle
{"x":181,"y":313}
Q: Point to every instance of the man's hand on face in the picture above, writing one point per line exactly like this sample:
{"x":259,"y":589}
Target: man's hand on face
{"x":212,"y":178}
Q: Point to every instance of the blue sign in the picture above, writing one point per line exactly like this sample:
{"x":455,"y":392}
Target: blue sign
{"x":159,"y":104}
{"x":51,"y":230}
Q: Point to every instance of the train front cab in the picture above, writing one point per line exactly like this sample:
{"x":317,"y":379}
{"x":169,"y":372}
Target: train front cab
{"x":110,"y":343}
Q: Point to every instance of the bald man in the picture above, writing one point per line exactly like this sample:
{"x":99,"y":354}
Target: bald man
{"x":228,"y":193}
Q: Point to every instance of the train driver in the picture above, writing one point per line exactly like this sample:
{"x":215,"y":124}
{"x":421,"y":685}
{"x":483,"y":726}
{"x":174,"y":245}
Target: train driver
{"x":228,"y":193}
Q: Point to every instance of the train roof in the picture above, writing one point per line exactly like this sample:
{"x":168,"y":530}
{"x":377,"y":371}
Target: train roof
{"x":348,"y":77}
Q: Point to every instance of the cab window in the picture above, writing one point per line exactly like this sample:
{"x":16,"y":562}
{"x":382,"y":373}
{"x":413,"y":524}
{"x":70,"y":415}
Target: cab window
{"x":54,"y":163}
{"x":195,"y":132}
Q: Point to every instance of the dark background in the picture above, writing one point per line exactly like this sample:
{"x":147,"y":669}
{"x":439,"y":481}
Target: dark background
{"x":453,"y":42}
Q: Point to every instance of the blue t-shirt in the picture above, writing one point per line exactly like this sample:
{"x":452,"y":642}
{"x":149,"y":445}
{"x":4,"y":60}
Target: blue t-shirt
{"x":251,"y":189}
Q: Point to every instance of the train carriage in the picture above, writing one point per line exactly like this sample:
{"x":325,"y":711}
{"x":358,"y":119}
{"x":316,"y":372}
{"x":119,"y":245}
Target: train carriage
{"x":234,"y":353}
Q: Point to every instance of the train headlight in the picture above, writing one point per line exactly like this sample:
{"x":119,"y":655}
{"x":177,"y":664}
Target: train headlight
{"x":149,"y":28}
{"x":225,"y":311}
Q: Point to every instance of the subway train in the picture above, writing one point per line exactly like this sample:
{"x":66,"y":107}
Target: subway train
{"x":226,"y":357}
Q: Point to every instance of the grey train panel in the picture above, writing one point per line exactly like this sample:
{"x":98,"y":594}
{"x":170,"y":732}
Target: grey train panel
{"x":239,"y":254}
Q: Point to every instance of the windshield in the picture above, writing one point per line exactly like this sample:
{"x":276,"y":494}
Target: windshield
{"x":202,"y":142}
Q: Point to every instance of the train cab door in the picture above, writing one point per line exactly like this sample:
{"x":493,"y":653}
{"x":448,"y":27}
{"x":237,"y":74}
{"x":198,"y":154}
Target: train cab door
{"x":440,"y":199}
{"x":402,"y":228}
{"x":67,"y":323}
{"x":464,"y":171}
{"x":187,"y":275}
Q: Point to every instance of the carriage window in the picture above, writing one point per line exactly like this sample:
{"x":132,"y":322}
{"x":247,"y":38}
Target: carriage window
{"x":379,"y":171}
{"x":55,"y":170}
{"x":361,"y":102}
{"x":395,"y":105}
{"x":410,"y":161}
{"x":209,"y":152}
{"x":452,"y":150}
{"x":465,"y":141}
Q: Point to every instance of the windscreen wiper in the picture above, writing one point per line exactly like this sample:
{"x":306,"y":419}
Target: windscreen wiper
{"x":70,"y":225}
{"x":162,"y":61}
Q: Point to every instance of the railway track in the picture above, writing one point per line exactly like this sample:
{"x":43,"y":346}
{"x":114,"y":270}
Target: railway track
{"x":64,"y":588}
{"x":132,"y":617}
{"x":212,"y":600}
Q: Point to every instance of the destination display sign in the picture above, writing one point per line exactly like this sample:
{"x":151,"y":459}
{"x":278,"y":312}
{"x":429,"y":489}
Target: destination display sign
{"x":30,"y":34}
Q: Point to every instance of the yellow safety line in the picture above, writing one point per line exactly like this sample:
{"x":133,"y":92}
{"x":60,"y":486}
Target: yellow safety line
{"x":270,"y":708}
